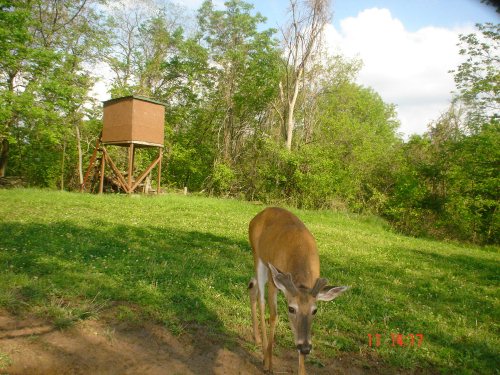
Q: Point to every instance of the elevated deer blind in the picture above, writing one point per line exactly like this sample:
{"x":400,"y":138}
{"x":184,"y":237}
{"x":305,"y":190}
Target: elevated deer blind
{"x":130,"y":121}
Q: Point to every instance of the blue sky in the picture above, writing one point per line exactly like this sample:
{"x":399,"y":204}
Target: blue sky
{"x":414,"y":14}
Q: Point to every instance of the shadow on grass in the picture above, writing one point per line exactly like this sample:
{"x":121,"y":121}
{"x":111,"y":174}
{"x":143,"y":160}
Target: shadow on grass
{"x":484,"y":270}
{"x":186,"y":280}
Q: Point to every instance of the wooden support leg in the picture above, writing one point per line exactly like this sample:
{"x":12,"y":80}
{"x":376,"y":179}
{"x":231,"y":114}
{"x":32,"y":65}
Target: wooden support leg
{"x":120,"y":177}
{"x":91,"y":164}
{"x":103,"y":166}
{"x":159,"y":170}
{"x":130,"y":167}
{"x":145,"y":173}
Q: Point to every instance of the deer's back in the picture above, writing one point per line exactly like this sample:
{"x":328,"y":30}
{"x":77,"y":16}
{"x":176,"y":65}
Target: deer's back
{"x":279,"y":237}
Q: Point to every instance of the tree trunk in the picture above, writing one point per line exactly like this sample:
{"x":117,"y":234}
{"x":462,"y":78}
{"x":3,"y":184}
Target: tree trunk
{"x":62,"y":164}
{"x":4,"y":155}
{"x":302,"y":40}
{"x":80,"y":156}
{"x":291,"y":110}
{"x":4,"y":152}
{"x":290,"y":124}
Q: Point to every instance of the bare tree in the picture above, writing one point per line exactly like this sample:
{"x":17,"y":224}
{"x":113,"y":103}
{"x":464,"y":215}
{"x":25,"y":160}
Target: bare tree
{"x":302,"y":38}
{"x":142,"y":34}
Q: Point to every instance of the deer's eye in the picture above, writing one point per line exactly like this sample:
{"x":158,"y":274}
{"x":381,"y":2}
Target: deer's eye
{"x":315,"y":310}
{"x":291,"y":310}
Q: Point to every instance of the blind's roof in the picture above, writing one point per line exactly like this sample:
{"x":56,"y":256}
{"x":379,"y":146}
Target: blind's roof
{"x":138,"y":97}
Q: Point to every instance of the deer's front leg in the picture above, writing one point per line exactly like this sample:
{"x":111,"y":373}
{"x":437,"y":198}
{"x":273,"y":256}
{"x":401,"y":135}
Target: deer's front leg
{"x":272,"y":294}
{"x":262,"y":307}
{"x":253,"y":291}
{"x":262,"y":278}
{"x":302,"y":364}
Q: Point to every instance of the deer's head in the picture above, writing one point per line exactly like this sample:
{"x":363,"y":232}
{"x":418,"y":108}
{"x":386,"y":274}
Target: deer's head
{"x":302,"y":304}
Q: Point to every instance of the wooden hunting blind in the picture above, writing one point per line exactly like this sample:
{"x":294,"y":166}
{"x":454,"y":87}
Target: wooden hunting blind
{"x":133,"y":119}
{"x":130,"y":121}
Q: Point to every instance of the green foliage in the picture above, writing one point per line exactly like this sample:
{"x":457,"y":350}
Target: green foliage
{"x":44,"y":83}
{"x":345,"y":165}
{"x":447,"y":185}
{"x":472,"y":209}
{"x":358,"y":135}
{"x":222,"y":179}
{"x":478,"y":78}
{"x":188,"y":163}
{"x":5,"y":360}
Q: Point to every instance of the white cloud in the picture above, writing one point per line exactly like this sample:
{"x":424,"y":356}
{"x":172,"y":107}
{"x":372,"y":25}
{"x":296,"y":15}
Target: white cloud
{"x":104,"y":75}
{"x":196,"y":4}
{"x":409,"y":69}
{"x":192,"y":4}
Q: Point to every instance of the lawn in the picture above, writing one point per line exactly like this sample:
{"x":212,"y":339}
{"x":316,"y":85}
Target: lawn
{"x":181,"y":260}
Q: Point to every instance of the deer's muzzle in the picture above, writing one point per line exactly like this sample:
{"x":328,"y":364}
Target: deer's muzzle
{"x":304,"y":348}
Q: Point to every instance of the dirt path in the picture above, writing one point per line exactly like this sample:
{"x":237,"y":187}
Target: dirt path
{"x":31,"y":346}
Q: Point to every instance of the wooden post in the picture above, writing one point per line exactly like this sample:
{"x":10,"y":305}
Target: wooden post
{"x":91,"y":164}
{"x":159,"y":170}
{"x":130,"y":167}
{"x":101,"y":180}
{"x":120,"y":177}
{"x":144,"y":174}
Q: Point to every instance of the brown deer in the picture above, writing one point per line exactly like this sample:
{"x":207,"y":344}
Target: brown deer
{"x":286,"y":257}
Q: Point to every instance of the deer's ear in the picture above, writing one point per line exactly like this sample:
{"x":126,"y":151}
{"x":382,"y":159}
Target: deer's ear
{"x":329,"y":293}
{"x":283,"y":281}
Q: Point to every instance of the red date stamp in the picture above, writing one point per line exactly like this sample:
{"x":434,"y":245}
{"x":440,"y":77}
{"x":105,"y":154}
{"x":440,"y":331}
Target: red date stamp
{"x":397,"y":339}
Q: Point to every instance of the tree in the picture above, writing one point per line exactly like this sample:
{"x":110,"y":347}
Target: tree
{"x":302,"y":40}
{"x":475,"y":158}
{"x":144,"y":36}
{"x":478,"y":78}
{"x":44,"y":80}
{"x":357,"y":134}
{"x":246,"y":63}
{"x":14,"y":38}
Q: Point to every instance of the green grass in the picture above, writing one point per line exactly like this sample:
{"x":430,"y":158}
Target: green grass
{"x":185,"y":261}
{"x":5,"y":360}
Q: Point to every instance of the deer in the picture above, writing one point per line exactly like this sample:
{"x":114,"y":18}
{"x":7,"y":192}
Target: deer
{"x":286,"y":258}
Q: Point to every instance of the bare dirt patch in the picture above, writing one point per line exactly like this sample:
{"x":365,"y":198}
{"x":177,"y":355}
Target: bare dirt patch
{"x":32,"y":346}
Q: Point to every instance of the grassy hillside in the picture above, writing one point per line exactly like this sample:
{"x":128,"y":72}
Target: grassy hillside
{"x":182,"y":260}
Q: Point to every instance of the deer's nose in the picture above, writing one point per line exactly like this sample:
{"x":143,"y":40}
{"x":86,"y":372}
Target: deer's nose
{"x":304,"y":348}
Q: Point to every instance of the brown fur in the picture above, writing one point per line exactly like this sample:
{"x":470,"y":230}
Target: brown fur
{"x":288,"y":251}
{"x":279,"y":237}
